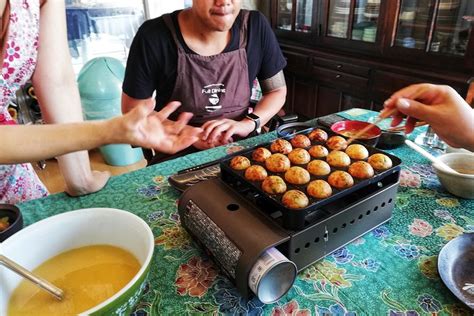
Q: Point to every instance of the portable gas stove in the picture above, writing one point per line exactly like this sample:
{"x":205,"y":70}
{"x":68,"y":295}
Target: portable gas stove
{"x":235,"y":221}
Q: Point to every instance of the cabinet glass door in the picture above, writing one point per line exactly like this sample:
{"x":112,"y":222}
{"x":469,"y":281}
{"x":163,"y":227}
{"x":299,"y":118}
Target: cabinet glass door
{"x":296,"y":17}
{"x":449,"y":34}
{"x":284,"y":14}
{"x":304,"y":15}
{"x":339,"y":12}
{"x":364,"y":19}
{"x":414,"y":23}
{"x":454,"y":22}
{"x":366,"y":15}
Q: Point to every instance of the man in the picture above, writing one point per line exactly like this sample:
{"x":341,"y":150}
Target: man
{"x":207,"y":57}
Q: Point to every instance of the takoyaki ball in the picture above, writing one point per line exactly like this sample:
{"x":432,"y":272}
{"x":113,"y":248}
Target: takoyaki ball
{"x":299,"y":156}
{"x":300,"y":141}
{"x":239,"y":163}
{"x":319,"y":189}
{"x":318,"y":135}
{"x":361,"y":170}
{"x":295,"y":199}
{"x":319,"y":168}
{"x":338,"y":159}
{"x":337,"y":143}
{"x":318,"y":151}
{"x":358,"y":152}
{"x":380,"y":161}
{"x":297,"y":175}
{"x":260,"y":154}
{"x":340,"y":180}
{"x":255,"y":173}
{"x":281,"y":146}
{"x":277,"y":163}
{"x":274,"y":185}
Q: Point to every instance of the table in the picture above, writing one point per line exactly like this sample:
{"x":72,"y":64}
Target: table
{"x":390,"y":270}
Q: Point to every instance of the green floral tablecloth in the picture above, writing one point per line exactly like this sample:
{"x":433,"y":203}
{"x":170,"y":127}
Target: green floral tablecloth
{"x":390,"y":270}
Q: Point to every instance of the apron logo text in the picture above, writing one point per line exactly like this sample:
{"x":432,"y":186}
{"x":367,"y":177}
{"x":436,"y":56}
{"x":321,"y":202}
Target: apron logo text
{"x":213,"y":93}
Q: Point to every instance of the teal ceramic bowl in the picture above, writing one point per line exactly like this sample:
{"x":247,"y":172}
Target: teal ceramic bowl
{"x":99,"y":226}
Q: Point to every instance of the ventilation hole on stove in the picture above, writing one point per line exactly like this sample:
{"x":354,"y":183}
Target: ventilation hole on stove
{"x":383,"y":204}
{"x":352,"y":222}
{"x":334,"y":230}
{"x":344,"y":225}
{"x":376,"y":208}
{"x":390,"y":201}
{"x":307,"y":245}
{"x":316,"y":240}
{"x":233,"y":207}
{"x":368,"y":212}
{"x":360,"y":216}
{"x":297,"y":250}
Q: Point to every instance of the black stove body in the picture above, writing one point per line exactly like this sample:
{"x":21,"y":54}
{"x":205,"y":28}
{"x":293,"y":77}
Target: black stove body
{"x":235,"y":221}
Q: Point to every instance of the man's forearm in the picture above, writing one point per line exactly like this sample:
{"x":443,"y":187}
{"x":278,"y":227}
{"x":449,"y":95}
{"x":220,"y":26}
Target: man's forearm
{"x":274,"y":96}
{"x":270,"y":104}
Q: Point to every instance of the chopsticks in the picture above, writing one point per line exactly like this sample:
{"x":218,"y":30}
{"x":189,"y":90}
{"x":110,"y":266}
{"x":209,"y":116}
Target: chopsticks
{"x":383,"y":115}
{"x":414,"y":96}
{"x":402,"y":128}
{"x":42,"y":283}
{"x":430,"y":157}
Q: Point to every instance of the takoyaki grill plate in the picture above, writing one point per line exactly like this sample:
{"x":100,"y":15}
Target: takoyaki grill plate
{"x":297,"y":219}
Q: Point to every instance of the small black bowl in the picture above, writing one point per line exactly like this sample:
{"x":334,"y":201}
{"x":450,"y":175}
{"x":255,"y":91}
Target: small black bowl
{"x":390,"y":140}
{"x":14,"y":218}
{"x":289,"y":129}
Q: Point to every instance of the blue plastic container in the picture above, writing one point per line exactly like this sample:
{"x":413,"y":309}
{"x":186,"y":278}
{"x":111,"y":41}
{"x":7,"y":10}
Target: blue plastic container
{"x":100,"y":87}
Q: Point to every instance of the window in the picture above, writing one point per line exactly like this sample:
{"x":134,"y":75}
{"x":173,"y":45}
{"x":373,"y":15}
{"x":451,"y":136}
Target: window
{"x":101,"y":28}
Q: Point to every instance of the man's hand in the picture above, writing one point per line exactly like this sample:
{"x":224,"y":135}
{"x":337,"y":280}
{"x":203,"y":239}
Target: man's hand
{"x":223,"y":129}
{"x":202,"y":145}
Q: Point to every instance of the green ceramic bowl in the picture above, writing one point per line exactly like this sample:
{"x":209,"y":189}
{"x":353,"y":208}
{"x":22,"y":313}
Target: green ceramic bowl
{"x":47,"y":238}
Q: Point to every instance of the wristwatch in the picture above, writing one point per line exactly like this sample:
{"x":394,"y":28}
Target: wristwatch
{"x":256,"y":119}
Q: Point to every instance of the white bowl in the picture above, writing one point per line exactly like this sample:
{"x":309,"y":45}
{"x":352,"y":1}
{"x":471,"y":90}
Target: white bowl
{"x":461,"y":185}
{"x":47,"y":238}
{"x":450,"y":149}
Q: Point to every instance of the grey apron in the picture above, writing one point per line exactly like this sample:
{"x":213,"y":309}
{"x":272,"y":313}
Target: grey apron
{"x":210,"y":87}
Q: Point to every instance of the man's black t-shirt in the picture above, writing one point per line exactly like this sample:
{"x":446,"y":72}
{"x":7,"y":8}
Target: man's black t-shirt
{"x":152,"y":62}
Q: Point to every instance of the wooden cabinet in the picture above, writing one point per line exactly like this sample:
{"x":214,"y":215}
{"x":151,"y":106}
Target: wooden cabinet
{"x":356,"y":53}
{"x":341,"y":80}
{"x":318,"y":86}
{"x":341,"y":66}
